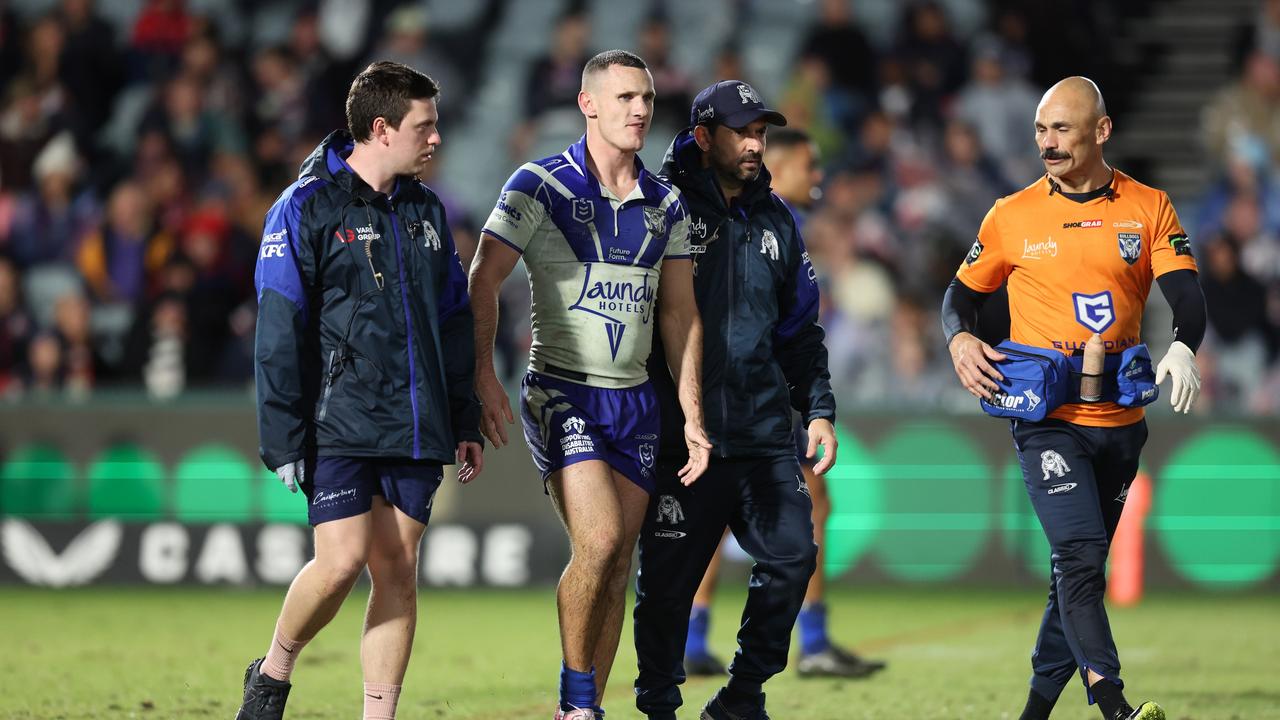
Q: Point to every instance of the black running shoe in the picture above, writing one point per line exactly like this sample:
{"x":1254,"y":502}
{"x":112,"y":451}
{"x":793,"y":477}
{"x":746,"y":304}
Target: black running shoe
{"x":264,"y":696}
{"x":707,"y":665}
{"x":837,"y":662}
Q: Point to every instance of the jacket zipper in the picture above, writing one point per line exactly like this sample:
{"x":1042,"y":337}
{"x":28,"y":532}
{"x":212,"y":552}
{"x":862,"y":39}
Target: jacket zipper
{"x":408,"y":329}
{"x":328,"y":388}
{"x":724,"y":397}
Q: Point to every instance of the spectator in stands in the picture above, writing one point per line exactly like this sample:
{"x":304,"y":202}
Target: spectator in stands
{"x":997,"y":106}
{"x":80,"y":366}
{"x":970,"y":180}
{"x":839,"y":44}
{"x":44,"y":370}
{"x":90,"y":69}
{"x":1249,"y":108}
{"x":554,"y":80}
{"x":49,"y":222}
{"x":162,"y":28}
{"x":674,"y":86}
{"x":117,"y":259}
{"x":1236,"y":304}
{"x":407,"y":40}
{"x":32,"y":116}
{"x":932,"y":60}
{"x":16,"y":329}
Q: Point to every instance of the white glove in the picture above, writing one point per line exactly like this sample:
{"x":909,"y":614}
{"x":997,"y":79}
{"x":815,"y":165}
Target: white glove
{"x":1180,"y":364}
{"x":292,"y":474}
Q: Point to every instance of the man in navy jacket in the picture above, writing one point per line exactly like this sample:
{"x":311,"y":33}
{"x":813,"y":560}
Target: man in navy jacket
{"x":763,"y":355}
{"x":364,"y":363}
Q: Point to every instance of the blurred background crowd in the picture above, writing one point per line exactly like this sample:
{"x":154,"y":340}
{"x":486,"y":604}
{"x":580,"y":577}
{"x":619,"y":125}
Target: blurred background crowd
{"x":142,"y":141}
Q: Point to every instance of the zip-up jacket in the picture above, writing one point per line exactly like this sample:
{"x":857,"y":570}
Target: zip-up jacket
{"x":364,"y":342}
{"x":762,"y":346}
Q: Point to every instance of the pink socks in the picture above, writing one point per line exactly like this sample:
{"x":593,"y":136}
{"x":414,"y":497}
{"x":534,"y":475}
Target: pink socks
{"x":380,"y":701}
{"x":281,"y":656}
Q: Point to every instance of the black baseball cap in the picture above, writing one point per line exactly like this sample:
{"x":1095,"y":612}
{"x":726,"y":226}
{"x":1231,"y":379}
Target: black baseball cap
{"x":732,"y":103}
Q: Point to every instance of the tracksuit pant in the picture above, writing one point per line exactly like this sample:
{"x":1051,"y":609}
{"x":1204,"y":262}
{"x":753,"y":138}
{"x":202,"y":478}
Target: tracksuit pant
{"x":766,"y":504}
{"x":1078,"y":479}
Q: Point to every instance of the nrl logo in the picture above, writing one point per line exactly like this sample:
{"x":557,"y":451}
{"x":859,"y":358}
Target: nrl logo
{"x":574,"y":425}
{"x":646,"y":454}
{"x":584,"y":211}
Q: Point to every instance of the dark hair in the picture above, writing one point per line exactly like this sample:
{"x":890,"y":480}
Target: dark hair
{"x":784,"y":138}
{"x":384,"y":90}
{"x":609,"y":58}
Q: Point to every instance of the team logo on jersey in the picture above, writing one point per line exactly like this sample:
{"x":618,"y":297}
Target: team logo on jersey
{"x":584,"y":210}
{"x":1096,"y":312}
{"x":646,"y":454}
{"x":1130,"y":246}
{"x":433,"y":237}
{"x":1051,"y":463}
{"x":769,"y":244}
{"x":655,"y":221}
{"x":669,"y":510}
{"x":974,"y":252}
{"x":1181,"y":244}
{"x":574,"y":425}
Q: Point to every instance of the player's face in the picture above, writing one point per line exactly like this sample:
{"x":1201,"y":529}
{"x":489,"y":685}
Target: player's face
{"x":415,"y":141}
{"x":737,"y":154}
{"x":621,"y":99}
{"x":1068,"y":137}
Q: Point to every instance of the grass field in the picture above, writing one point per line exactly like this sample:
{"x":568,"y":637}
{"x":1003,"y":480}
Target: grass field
{"x":953,"y":653}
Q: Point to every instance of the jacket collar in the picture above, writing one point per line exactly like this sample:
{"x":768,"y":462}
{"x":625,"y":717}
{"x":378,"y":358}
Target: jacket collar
{"x":329,"y":162}
{"x":683,"y":165}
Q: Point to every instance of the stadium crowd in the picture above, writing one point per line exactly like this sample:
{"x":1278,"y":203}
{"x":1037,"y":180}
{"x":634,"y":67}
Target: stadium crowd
{"x":140,"y":151}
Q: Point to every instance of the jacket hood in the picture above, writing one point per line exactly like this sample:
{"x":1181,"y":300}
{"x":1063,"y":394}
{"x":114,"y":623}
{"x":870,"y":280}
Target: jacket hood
{"x":683,"y":165}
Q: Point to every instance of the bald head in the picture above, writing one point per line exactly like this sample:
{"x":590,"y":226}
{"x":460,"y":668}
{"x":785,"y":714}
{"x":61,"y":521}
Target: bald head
{"x":1079,"y":93}
{"x":1071,"y":128}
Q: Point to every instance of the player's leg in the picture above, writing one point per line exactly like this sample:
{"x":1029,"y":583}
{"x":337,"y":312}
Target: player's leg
{"x":774,"y":525}
{"x":699,"y":661}
{"x":399,"y":518}
{"x":1057,"y":461}
{"x":634,"y":501}
{"x":682,"y":529}
{"x":339,"y":494}
{"x":589,"y":507}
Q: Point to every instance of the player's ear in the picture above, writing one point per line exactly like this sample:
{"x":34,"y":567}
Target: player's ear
{"x":1104,"y":129}
{"x":587,"y":104}
{"x":378,"y":131}
{"x":702,"y":136}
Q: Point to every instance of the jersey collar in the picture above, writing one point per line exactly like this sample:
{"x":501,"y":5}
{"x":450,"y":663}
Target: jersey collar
{"x":576,"y":154}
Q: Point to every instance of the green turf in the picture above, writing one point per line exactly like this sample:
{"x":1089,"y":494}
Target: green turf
{"x":953,"y":654}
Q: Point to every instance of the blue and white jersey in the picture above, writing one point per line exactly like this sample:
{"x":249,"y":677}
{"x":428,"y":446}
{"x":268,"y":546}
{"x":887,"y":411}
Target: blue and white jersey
{"x":593,"y":261}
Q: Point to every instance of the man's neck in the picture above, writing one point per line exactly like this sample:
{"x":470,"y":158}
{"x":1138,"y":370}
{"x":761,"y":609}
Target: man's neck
{"x":614,"y":168}
{"x":369,"y":170}
{"x":1087,"y":181}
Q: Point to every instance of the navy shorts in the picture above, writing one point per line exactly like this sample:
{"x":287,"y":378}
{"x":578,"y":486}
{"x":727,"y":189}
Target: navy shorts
{"x":343,"y":487}
{"x":567,"y":422}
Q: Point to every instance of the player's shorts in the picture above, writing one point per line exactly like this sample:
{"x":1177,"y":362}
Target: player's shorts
{"x":567,"y":422}
{"x":343,"y":487}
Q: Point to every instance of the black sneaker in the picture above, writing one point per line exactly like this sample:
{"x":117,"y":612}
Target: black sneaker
{"x":264,"y":696}
{"x":835,"y":661}
{"x":706,"y":665}
{"x":715,"y":710}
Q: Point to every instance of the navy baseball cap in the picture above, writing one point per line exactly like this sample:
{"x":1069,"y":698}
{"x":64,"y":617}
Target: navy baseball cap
{"x":732,"y":103}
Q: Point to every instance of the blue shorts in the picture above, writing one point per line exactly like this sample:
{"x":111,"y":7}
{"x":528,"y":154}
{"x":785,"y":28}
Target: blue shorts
{"x":567,"y":422}
{"x":343,"y":487}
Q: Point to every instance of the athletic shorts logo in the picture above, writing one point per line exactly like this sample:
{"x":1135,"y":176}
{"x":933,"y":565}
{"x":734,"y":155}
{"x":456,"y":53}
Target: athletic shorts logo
{"x":646,"y":454}
{"x":802,"y":486}
{"x":669,"y":510}
{"x":655,"y":221}
{"x":336,"y":496}
{"x":1124,"y":494}
{"x":584,"y":210}
{"x":1062,"y":488}
{"x":574,"y":425}
{"x":1130,"y":246}
{"x":974,"y":253}
{"x":1096,"y":312}
{"x":668,"y":534}
{"x":1052,"y":463}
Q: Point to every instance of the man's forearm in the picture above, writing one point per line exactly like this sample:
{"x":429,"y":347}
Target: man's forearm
{"x":484,"y":310}
{"x":681,"y":330}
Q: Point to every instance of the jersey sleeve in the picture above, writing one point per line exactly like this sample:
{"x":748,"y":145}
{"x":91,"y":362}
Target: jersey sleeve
{"x":987,"y":265}
{"x":678,"y":237}
{"x":1170,"y":246}
{"x":520,"y":209}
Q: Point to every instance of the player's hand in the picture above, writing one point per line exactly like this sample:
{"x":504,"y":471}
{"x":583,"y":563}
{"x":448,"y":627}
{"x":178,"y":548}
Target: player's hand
{"x":1180,"y":364}
{"x":972,"y":359}
{"x":695,"y":438}
{"x":494,"y":408}
{"x":470,"y":461}
{"x":822,"y":432}
{"x":292,"y":474}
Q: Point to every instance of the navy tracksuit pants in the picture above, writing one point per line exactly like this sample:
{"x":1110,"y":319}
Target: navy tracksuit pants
{"x":1078,"y":478}
{"x":766,"y":504}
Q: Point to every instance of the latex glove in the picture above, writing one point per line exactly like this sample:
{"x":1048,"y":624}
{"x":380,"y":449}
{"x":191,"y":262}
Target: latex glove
{"x":292,"y":474}
{"x":1180,"y":364}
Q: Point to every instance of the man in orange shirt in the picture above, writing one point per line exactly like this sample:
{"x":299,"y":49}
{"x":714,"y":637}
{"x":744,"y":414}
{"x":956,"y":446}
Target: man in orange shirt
{"x":1079,"y":249}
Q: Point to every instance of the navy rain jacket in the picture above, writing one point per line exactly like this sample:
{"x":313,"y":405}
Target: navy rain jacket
{"x":365,"y":344}
{"x":762,"y":346}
